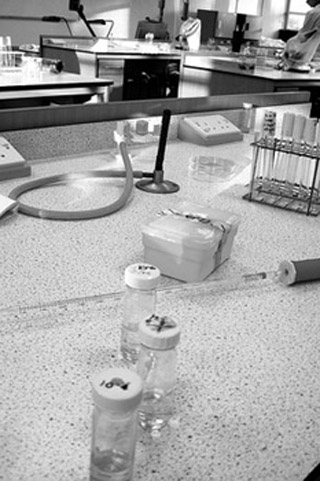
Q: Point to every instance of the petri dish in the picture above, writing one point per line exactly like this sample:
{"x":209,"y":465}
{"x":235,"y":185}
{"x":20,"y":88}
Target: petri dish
{"x":211,"y":169}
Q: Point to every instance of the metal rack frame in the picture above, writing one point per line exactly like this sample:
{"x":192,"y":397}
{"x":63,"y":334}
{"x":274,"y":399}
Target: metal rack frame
{"x":283,"y":193}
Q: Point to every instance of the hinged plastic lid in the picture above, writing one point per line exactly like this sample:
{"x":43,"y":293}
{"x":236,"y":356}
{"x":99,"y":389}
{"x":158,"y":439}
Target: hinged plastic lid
{"x":117,"y":389}
{"x":142,"y":276}
{"x":159,"y":332}
{"x":193,"y":225}
{"x":179,"y":230}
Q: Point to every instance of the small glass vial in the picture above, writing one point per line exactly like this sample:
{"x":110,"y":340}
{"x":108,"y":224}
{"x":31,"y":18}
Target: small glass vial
{"x":139,"y":303}
{"x":247,"y":118}
{"x":157,"y":362}
{"x":116,"y":394}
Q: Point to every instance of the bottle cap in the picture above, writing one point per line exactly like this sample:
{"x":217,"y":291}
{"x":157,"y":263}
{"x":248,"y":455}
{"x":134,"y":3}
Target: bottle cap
{"x":159,"y":332}
{"x":117,"y":389}
{"x":142,"y":276}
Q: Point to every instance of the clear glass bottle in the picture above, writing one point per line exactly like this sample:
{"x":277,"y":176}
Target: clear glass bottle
{"x":116,"y":394}
{"x":247,"y":58}
{"x":156,"y":366}
{"x":139,"y":303}
{"x":247,"y":118}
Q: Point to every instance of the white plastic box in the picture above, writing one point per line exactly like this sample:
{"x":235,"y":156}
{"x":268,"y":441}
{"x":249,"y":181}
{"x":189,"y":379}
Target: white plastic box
{"x":189,"y":242}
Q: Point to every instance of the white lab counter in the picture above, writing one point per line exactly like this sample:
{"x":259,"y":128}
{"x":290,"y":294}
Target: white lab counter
{"x":247,"y":398}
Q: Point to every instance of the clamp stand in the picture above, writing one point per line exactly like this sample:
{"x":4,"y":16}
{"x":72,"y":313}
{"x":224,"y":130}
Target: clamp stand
{"x":157,"y":185}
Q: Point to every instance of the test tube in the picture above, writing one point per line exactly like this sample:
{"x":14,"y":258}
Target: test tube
{"x":294,"y":156}
{"x":270,"y":141}
{"x":256,"y":166}
{"x":7,"y":51}
{"x":305,"y":162}
{"x":281,"y":164}
{"x":269,"y":122}
{"x":317,"y":162}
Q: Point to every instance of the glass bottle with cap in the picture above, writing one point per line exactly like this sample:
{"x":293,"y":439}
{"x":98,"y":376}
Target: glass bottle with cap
{"x":139,"y":303}
{"x":157,"y":363}
{"x":247,"y":118}
{"x":116,"y":394}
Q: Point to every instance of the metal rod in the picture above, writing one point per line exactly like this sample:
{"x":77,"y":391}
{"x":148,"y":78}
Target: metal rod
{"x":84,"y":18}
{"x":163,"y":139}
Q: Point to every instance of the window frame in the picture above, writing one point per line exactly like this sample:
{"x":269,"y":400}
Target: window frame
{"x":290,"y":11}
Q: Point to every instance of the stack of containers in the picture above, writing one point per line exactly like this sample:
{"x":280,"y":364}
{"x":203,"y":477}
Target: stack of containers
{"x":189,"y":242}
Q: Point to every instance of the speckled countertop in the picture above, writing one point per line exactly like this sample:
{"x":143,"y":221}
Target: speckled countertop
{"x":248,"y":395}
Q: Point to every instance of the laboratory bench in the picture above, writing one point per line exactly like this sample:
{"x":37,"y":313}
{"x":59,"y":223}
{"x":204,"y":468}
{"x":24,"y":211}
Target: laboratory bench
{"x":205,"y":74}
{"x":247,"y":402}
{"x":18,"y":89}
{"x":139,"y":69}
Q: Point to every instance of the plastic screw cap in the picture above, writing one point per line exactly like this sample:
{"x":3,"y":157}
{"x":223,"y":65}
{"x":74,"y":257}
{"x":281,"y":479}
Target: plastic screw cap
{"x":142,"y":276}
{"x":159,"y":332}
{"x":117,"y":389}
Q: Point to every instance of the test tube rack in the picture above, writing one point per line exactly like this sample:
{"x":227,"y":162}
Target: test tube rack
{"x":285,"y":174}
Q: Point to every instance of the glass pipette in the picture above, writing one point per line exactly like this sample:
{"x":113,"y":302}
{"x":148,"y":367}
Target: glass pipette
{"x":288,"y":273}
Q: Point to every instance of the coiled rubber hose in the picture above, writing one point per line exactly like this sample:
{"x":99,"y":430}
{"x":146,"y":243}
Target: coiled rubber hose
{"x":84,"y":214}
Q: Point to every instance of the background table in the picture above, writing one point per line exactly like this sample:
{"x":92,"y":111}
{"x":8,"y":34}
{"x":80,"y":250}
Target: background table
{"x":19,"y":90}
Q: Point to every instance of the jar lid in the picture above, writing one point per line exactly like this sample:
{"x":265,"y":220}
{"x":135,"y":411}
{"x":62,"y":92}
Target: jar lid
{"x":189,"y":225}
{"x":142,"y":276}
{"x":159,"y":332}
{"x":117,"y":389}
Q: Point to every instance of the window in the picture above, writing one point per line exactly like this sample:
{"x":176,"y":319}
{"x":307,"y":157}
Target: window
{"x":297,"y":10}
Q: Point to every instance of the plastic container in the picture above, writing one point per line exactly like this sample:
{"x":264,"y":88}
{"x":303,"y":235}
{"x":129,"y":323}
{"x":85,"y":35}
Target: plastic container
{"x":211,"y":168}
{"x":116,"y":394}
{"x":157,"y":364}
{"x":190,"y":242}
{"x":139,"y":302}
